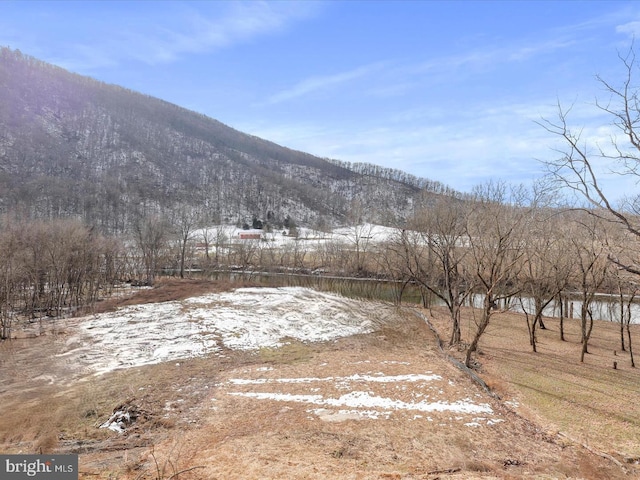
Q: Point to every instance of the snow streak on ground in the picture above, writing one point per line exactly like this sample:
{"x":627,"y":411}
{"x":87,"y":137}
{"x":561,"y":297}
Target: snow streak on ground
{"x":247,"y":318}
{"x":368,"y":395}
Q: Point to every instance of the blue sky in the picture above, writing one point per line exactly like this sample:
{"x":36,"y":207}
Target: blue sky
{"x":450,"y":91}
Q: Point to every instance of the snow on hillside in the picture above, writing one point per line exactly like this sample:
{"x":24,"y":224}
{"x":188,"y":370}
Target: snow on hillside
{"x":246,"y":318}
{"x":370,"y":232}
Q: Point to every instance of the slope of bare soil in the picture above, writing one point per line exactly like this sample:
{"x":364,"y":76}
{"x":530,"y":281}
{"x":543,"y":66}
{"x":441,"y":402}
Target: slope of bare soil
{"x":378,"y":405}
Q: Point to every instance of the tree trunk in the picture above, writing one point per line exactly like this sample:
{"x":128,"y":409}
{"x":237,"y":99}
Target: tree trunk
{"x":633,"y":364}
{"x":562,"y":310}
{"x":484,"y":322}
{"x":586,"y":332}
{"x":532,"y":333}
{"x":183,"y":252}
{"x":538,"y":318}
{"x":583,"y":351}
{"x":456,"y":335}
{"x":622,"y":312}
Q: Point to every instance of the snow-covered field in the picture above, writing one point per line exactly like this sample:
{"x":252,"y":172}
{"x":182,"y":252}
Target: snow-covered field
{"x":246,"y":318}
{"x":372,"y":233}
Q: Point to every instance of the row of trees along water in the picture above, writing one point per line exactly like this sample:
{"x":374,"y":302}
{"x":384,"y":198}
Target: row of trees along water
{"x":504,"y":247}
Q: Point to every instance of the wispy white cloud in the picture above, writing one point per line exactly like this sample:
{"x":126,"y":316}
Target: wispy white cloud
{"x":524,"y":52}
{"x":397,"y":79}
{"x":321,"y":82}
{"x":205,"y":32}
{"x":461,"y":149}
{"x":490,"y":56}
{"x":400,"y":80}
{"x":632,"y":29}
{"x":213,"y":26}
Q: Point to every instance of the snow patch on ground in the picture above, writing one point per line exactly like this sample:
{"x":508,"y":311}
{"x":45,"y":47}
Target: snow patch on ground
{"x":245,"y":319}
{"x":365,"y":399}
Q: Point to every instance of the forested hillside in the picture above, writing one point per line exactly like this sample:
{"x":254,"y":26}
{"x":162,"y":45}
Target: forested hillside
{"x":71,"y":146}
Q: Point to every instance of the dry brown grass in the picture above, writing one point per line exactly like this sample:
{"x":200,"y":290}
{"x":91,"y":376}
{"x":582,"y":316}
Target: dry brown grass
{"x":590,"y":402}
{"x":191,"y":419}
{"x":244,"y":438}
{"x":170,"y":288}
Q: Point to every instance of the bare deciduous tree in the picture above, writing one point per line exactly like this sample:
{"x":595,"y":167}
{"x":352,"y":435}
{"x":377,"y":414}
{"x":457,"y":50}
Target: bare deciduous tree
{"x":186,"y":220}
{"x":626,"y":288}
{"x":494,"y":233}
{"x":51,"y":268}
{"x":589,"y":254}
{"x":576,"y":169}
{"x":151,"y":235}
{"x":433,"y":251}
{"x":546,"y":267}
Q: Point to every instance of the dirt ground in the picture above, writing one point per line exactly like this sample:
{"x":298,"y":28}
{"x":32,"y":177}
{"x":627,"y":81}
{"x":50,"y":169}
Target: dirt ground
{"x":284,"y":413}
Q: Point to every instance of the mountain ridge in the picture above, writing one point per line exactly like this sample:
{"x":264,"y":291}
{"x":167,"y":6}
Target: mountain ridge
{"x":71,"y":145}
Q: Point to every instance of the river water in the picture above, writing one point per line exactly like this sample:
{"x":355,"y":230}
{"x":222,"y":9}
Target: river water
{"x":606,"y":307}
